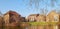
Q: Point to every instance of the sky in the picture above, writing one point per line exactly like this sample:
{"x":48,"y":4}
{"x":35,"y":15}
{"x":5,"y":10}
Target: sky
{"x":23,"y":8}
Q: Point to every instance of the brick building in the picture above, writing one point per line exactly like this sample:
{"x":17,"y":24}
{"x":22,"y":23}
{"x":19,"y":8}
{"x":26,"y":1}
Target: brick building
{"x":11,"y":17}
{"x":1,"y":20}
{"x":36,"y":18}
{"x":52,"y":17}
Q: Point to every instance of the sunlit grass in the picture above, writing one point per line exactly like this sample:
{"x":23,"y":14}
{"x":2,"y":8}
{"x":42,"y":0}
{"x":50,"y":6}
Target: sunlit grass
{"x":43,"y":23}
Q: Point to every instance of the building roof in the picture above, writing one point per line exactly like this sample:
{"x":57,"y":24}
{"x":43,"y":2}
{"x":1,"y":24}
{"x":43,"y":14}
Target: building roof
{"x":52,"y":12}
{"x":34,"y":15}
{"x":12,"y":12}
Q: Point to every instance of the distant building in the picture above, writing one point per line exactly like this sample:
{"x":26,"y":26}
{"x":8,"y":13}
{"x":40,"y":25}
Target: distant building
{"x":23,"y":19}
{"x":11,"y":17}
{"x":52,"y":17}
{"x":41,"y":18}
{"x":36,"y":18}
{"x":1,"y":19}
{"x":31,"y":18}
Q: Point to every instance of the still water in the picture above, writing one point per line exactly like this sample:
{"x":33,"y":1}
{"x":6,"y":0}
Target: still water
{"x":33,"y":27}
{"x":44,"y":27}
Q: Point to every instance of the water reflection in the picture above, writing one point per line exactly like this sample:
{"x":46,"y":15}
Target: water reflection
{"x":43,"y":27}
{"x":33,"y":27}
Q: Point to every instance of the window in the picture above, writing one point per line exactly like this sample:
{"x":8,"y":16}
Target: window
{"x":32,"y":19}
{"x":11,"y":15}
{"x":11,"y":20}
{"x":55,"y":18}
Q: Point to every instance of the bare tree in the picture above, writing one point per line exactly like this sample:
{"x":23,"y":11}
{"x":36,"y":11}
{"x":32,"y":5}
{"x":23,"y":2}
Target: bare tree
{"x":53,"y":3}
{"x":36,"y":4}
{"x":58,"y":11}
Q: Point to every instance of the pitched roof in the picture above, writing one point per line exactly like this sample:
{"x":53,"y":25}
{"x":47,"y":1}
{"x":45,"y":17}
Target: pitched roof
{"x":33,"y":14}
{"x":11,"y":12}
{"x":52,"y":12}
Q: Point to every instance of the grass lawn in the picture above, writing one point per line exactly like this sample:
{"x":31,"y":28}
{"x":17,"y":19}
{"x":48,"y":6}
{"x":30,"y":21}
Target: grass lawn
{"x":42,"y":23}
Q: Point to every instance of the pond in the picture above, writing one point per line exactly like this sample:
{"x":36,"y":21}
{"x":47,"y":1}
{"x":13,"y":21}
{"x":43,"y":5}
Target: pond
{"x":44,"y":27}
{"x":29,"y":26}
{"x":33,"y":27}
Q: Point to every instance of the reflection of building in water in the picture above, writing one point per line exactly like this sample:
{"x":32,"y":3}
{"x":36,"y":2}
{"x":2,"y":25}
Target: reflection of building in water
{"x":55,"y":26}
